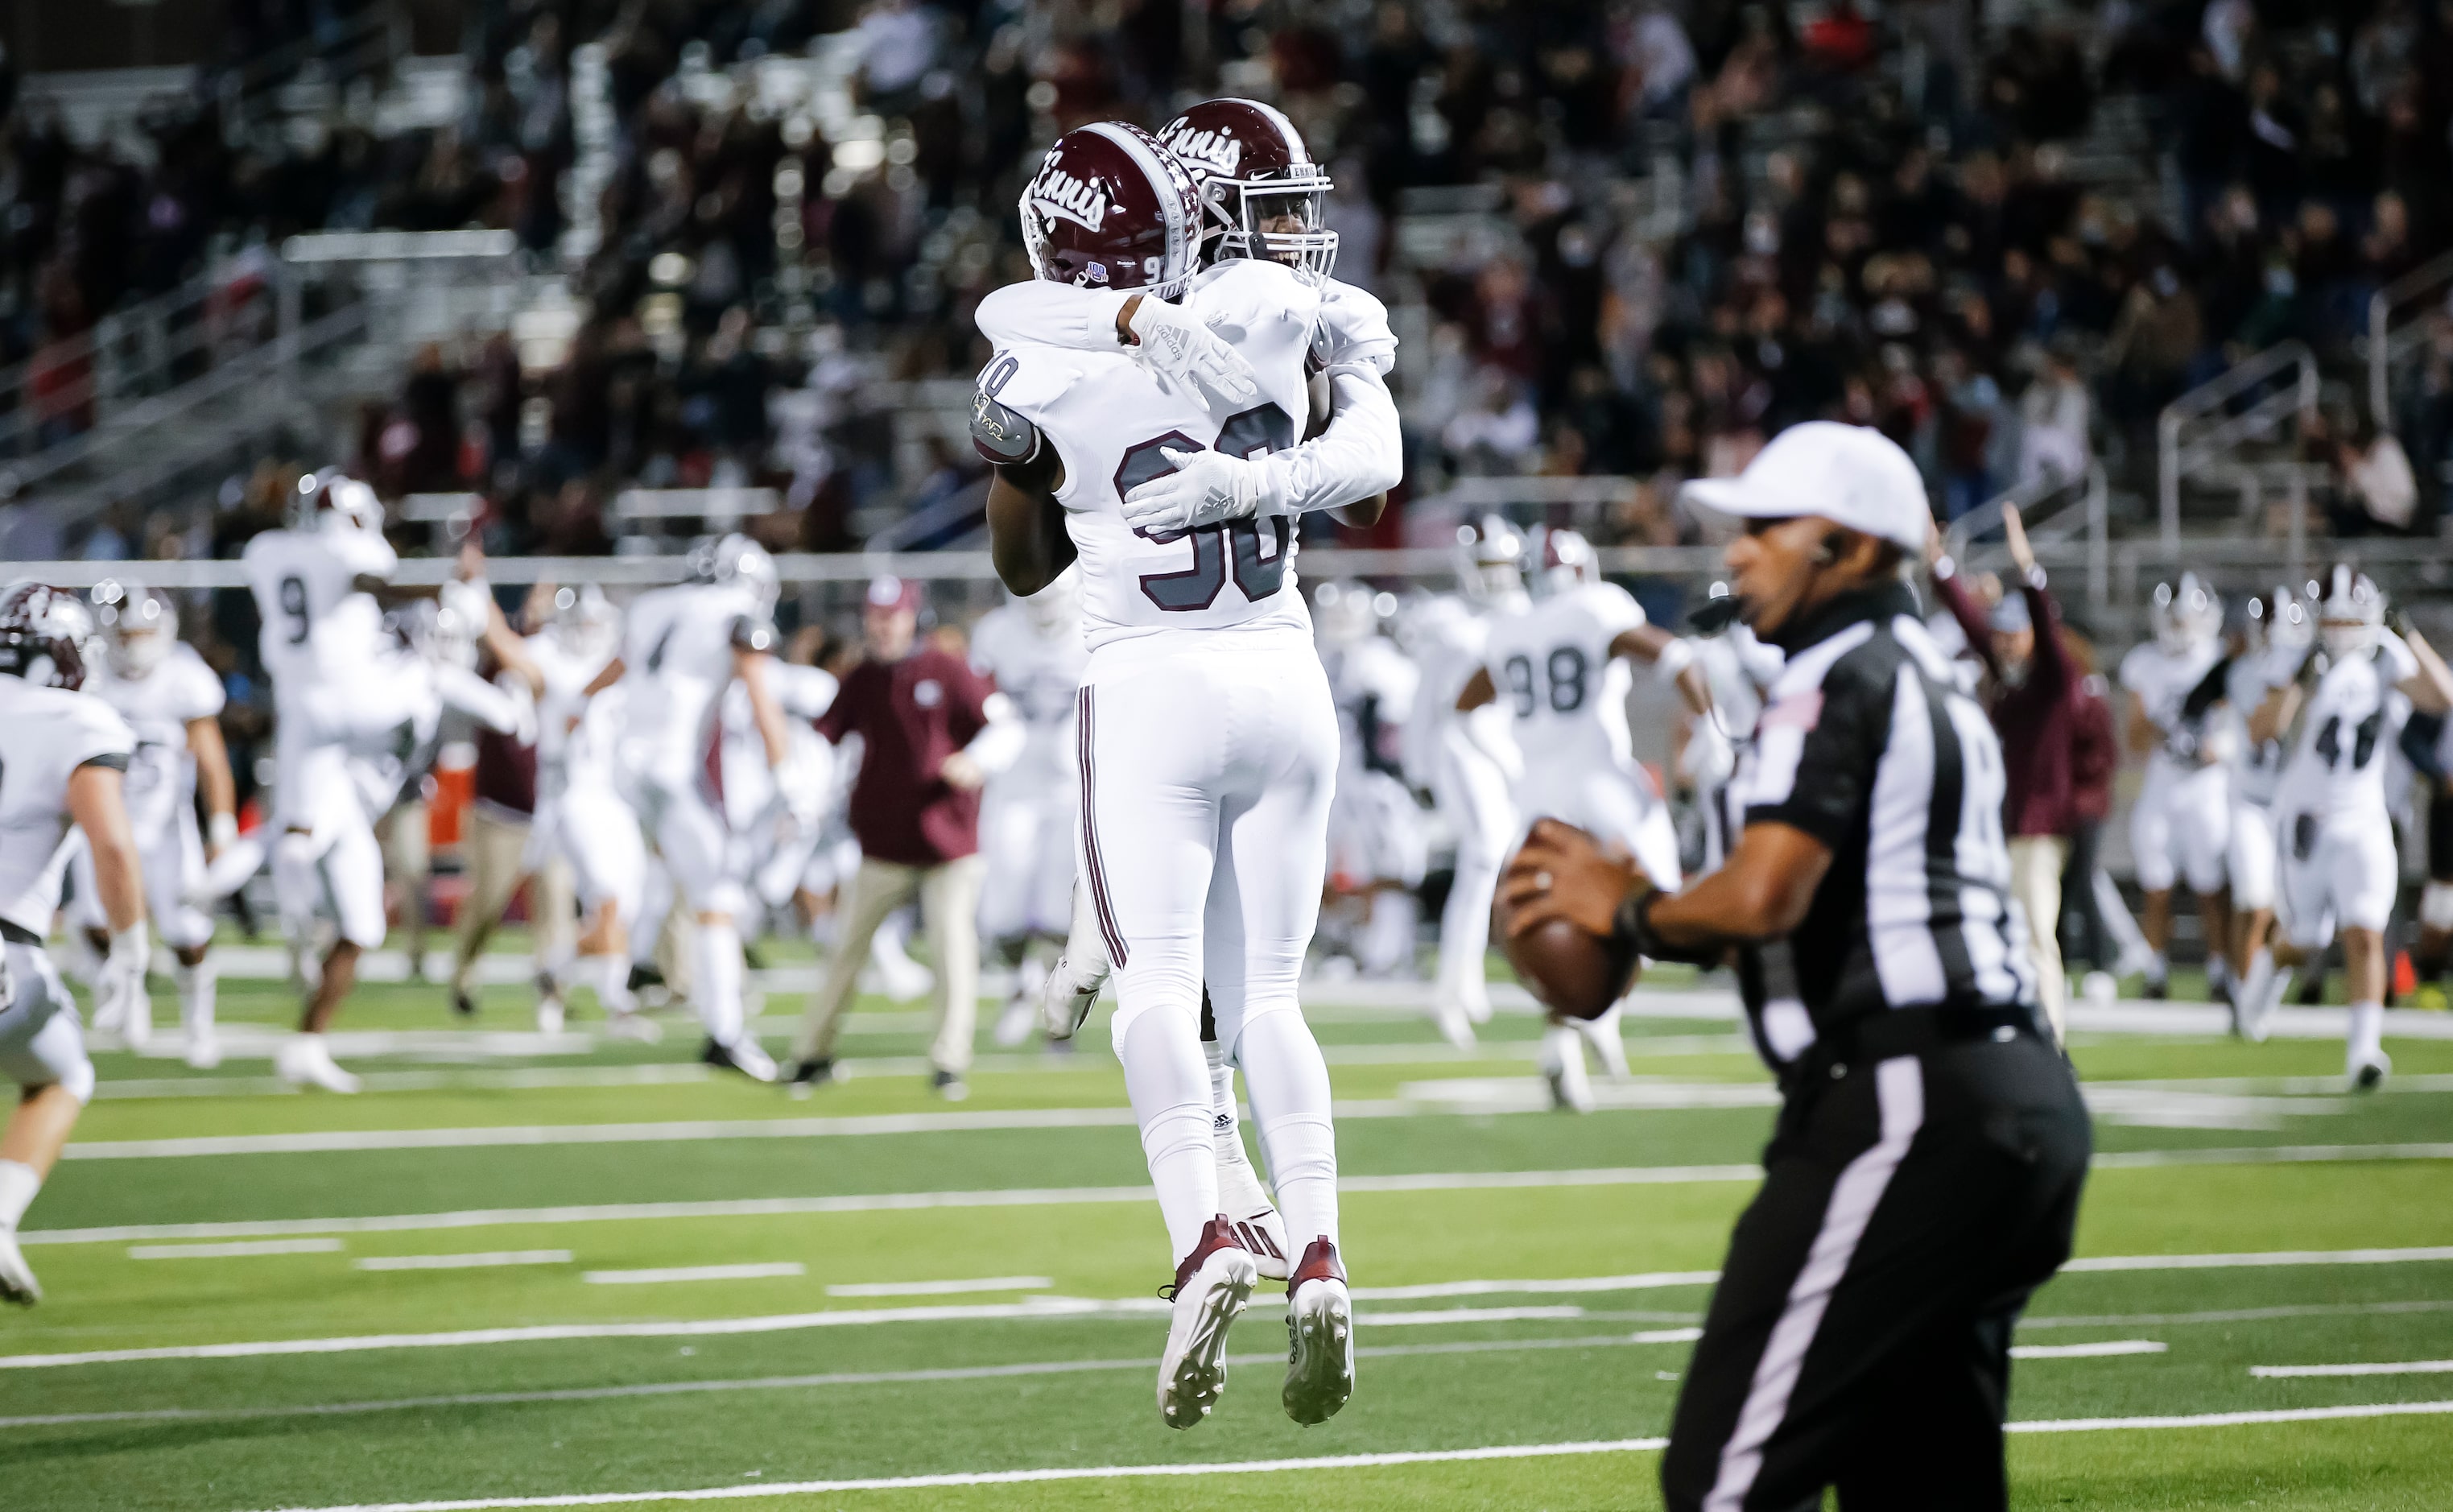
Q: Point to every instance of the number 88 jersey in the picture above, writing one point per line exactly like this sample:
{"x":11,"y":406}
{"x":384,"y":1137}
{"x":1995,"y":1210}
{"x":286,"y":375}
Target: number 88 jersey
{"x":1112,"y":419}
{"x":2348,"y":724}
{"x":1552,"y":668}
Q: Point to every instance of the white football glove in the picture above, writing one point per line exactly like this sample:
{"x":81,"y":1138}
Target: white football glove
{"x":1207,"y":488}
{"x":1175,"y":344}
{"x":119,"y":990}
{"x":1708,"y":760}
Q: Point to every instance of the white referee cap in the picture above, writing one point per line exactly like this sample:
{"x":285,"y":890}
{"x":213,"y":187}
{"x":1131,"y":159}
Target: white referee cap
{"x":1850,"y":475}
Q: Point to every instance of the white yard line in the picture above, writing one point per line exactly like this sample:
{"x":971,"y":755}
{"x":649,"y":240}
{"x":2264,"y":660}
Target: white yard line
{"x":2267,"y":1155}
{"x":763,"y":1270}
{"x":2224,"y":1314}
{"x":234,"y":1250}
{"x":2265,"y":1257}
{"x":2095,"y":1352}
{"x":2404,"y":1368}
{"x":1537,"y":1288}
{"x":481,"y":1261}
{"x":941,"y":1289}
{"x":1344,"y":1462}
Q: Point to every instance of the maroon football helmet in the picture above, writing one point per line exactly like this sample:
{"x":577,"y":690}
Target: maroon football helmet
{"x":1111,"y":209}
{"x":1262,"y":194}
{"x":42,"y":635}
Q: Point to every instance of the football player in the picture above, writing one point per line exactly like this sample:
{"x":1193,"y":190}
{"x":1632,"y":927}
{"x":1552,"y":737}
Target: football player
{"x":682,"y":647}
{"x":2179,"y":828}
{"x":172,"y":702}
{"x":1031,"y":649}
{"x":2275,"y":643}
{"x":2342,"y":711}
{"x":1564,"y":666}
{"x":1466,"y":761}
{"x":64,"y":755}
{"x":1207,"y":737}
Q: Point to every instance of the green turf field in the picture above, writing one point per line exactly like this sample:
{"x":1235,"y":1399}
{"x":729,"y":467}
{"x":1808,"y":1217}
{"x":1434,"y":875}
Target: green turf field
{"x":592,"y":1273}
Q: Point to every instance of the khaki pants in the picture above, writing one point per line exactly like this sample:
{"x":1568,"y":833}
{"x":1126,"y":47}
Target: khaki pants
{"x":493,"y":847}
{"x":950,"y":907}
{"x":2036,"y":863}
{"x":406,"y":859}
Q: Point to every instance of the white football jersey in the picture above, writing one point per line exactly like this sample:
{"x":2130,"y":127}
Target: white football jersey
{"x":46,"y":734}
{"x":801,"y":693}
{"x":677,"y":661}
{"x":157,"y":706}
{"x":1446,"y":636}
{"x":562,"y":708}
{"x":317,"y":626}
{"x":1041,"y":674}
{"x":1375,"y":685}
{"x":1111,"y":418}
{"x":1353,"y":328}
{"x":2348,"y":726}
{"x":1555,"y":674}
{"x":2163,"y":682}
{"x":2257,"y":768}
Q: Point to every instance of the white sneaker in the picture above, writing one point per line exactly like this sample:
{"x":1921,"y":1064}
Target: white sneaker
{"x":1066,"y":998}
{"x":1319,"y":1338}
{"x":634,"y":1027}
{"x":2253,"y":1005}
{"x":1258,"y":1227}
{"x":204,"y":1051}
{"x":1456,"y":1024}
{"x":17,"y":1282}
{"x":549,"y":1015}
{"x":745,"y":1055}
{"x":1562,"y":1066}
{"x":1019,"y":1017}
{"x":1602,"y":1034}
{"x":1212,"y":1287}
{"x":304,"y":1061}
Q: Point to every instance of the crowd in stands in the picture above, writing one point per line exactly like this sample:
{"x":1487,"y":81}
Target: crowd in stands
{"x":1632,"y":238}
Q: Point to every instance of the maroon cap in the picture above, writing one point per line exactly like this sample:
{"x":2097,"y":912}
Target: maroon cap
{"x":894,"y":593}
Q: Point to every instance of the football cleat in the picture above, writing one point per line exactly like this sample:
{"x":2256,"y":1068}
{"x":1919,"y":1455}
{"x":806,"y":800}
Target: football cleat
{"x":1320,"y":1337}
{"x":1562,"y":1067}
{"x":1601,"y":1033}
{"x":2368,"y":1070}
{"x":305,"y":1059}
{"x":17,"y":1282}
{"x":745,"y":1055}
{"x":1456,"y":1026}
{"x":204,"y":1051}
{"x":1020,"y":1016}
{"x":1257,"y":1225}
{"x":463,"y":1005}
{"x":1066,"y":998}
{"x":1212,"y":1287}
{"x":636,"y":1027}
{"x":949,"y":1085}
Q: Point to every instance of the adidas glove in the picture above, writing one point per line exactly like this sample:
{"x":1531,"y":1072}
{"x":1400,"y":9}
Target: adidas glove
{"x":1207,"y":488}
{"x":1175,"y":344}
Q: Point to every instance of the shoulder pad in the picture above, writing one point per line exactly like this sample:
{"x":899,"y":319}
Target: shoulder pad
{"x":1001,"y":435}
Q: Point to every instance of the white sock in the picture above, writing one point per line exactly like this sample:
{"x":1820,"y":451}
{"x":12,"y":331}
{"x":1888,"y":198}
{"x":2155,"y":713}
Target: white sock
{"x":2158,"y":967}
{"x":1289,"y":1083}
{"x":2367,"y":1030}
{"x":717,"y":991}
{"x":1561,"y":1043}
{"x":613,"y":983}
{"x":1169,"y":1087}
{"x":196,"y":985}
{"x":1465,"y":939}
{"x":18,"y":1184}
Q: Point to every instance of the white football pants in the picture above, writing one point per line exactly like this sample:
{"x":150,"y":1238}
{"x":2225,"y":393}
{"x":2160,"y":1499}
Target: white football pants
{"x":2181,"y":828}
{"x":1471,"y":791}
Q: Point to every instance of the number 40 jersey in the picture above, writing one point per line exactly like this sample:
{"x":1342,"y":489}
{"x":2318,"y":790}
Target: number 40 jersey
{"x":1111,"y":420}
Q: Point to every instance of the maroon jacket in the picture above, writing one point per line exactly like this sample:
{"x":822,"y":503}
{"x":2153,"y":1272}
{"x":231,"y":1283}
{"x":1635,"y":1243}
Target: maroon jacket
{"x":2036,"y":719}
{"x":910,"y":715}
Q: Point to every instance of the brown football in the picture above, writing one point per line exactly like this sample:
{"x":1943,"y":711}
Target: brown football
{"x":1569,"y":970}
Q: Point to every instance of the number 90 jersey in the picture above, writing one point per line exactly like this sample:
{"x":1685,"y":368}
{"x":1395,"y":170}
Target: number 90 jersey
{"x":2348,"y":726}
{"x":1554,"y":673}
{"x":1112,"y":419}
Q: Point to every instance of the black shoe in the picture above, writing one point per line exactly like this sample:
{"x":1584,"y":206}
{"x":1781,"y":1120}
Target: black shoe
{"x":745,"y":1056}
{"x":2156,"y":989}
{"x":644,"y":975}
{"x":949,"y":1085}
{"x":2312,"y":992}
{"x":809,"y":1075}
{"x":750,"y":958}
{"x":462,"y":1003}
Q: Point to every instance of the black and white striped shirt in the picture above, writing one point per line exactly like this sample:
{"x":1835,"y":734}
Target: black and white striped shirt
{"x":1866,"y":743}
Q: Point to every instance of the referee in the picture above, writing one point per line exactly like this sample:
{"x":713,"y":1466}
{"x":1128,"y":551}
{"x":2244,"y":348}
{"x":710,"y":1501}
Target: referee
{"x":1924,"y":1176}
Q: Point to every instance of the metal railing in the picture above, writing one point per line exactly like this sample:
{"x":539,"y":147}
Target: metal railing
{"x":2201,"y":427}
{"x":2386,"y":343}
{"x":2055,"y":511}
{"x":355,"y":45}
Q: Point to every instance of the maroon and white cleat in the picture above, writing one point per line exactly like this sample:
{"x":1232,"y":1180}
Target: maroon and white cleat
{"x":1320,"y":1337}
{"x":1211,"y":1289}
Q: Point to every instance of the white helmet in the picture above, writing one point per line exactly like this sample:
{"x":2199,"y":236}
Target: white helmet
{"x":2186,"y":615}
{"x":2351,"y":609}
{"x":1491,"y":558}
{"x":736,"y":557}
{"x":1568,"y":561}
{"x":2277,"y":620}
{"x":584,"y":621}
{"x":139,"y":626}
{"x":330,"y":499}
{"x":1056,"y":608}
{"x":1348,"y":612}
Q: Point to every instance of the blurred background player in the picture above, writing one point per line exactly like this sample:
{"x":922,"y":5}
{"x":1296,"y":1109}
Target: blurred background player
{"x":2343,"y":710}
{"x":2274,"y":642}
{"x":1467,"y":761}
{"x":1030,"y":649}
{"x":1376,"y":846}
{"x":780,"y":829}
{"x":172,"y":702}
{"x":2180,"y":824}
{"x":931,"y":731}
{"x":64,"y":755}
{"x":682,"y":647}
{"x":1561,"y":670}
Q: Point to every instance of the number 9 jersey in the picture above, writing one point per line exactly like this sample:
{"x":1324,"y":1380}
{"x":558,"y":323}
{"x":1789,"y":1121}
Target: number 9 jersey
{"x":1112,"y":419}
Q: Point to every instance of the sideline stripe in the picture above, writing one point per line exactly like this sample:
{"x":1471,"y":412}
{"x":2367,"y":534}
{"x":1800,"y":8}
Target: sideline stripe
{"x":2104,"y":1350}
{"x":941,"y":1289}
{"x":856,"y":1377}
{"x":1343,"y":1462}
{"x":475,"y":1262}
{"x":232,"y":1252}
{"x":2258,"y":1258}
{"x":2405,"y":1368}
{"x":756,"y":1270}
{"x":1536,"y":1289}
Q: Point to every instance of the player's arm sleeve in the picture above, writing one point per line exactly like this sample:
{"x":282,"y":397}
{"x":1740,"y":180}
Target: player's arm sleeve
{"x":1816,"y":751}
{"x":1354,"y":330}
{"x":752,"y":633}
{"x":1002,"y":734}
{"x":96,"y":736}
{"x":810,"y":696}
{"x":1051,"y":316}
{"x":1362,"y":453}
{"x":367,"y":554}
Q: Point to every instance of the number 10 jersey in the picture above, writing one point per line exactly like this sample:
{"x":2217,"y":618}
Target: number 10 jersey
{"x":1112,"y":419}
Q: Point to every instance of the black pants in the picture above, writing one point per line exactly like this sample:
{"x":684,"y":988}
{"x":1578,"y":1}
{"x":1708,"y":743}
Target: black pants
{"x":1860,"y":1336}
{"x":2090,"y":939}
